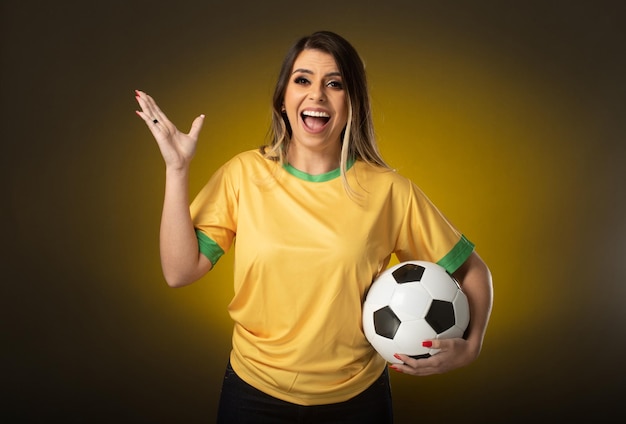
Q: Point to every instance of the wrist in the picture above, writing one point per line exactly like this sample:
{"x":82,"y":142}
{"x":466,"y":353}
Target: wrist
{"x":177,"y":171}
{"x":475,"y":345}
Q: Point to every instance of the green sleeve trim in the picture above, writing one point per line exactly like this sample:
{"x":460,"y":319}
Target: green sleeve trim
{"x":459,"y":254}
{"x":208,"y":247}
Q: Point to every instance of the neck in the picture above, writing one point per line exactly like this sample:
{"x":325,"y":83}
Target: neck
{"x":314,"y":162}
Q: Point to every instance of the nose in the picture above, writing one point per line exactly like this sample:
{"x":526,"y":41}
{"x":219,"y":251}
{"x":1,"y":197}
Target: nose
{"x":317,"y":92}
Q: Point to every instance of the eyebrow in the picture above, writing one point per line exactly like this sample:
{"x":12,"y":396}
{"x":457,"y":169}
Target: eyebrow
{"x":308,"y":71}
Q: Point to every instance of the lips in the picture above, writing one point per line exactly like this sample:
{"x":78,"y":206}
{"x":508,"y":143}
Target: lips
{"x":315,"y":120}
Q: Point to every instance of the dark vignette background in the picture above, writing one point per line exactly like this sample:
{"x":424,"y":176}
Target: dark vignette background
{"x":509,"y":114}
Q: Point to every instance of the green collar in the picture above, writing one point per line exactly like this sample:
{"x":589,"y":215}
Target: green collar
{"x":320,"y":178}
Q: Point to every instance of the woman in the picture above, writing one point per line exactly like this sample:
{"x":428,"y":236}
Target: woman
{"x":316,"y":214}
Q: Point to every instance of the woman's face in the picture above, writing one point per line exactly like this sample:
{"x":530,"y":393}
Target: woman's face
{"x":315,"y":101}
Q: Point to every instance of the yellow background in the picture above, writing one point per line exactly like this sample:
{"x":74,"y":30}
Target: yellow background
{"x":510,"y":116}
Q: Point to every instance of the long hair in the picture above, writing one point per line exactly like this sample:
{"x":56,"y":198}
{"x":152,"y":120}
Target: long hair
{"x":358,"y":138}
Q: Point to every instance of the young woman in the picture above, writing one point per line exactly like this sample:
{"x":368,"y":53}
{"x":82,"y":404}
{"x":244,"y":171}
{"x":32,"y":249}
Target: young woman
{"x":317,"y":215}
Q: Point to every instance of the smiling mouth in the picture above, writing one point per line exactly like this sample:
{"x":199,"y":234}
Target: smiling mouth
{"x":315,"y":120}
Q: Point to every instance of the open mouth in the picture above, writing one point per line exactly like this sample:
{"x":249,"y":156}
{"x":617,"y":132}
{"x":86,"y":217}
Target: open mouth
{"x":315,"y":120}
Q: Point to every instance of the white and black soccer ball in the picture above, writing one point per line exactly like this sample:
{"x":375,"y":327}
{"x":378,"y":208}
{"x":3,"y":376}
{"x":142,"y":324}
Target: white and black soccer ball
{"x":411,"y":302}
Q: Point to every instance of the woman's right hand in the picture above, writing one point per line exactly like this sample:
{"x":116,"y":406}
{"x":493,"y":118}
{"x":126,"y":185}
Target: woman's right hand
{"x":176,"y":147}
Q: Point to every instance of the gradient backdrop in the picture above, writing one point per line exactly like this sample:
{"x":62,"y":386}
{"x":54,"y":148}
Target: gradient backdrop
{"x":509,"y":114}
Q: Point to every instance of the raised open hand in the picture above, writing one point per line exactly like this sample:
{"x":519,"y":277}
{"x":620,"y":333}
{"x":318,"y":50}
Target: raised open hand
{"x":176,"y":147}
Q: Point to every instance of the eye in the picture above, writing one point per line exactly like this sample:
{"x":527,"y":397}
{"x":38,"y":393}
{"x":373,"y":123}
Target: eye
{"x":335,"y":84}
{"x":301,"y":80}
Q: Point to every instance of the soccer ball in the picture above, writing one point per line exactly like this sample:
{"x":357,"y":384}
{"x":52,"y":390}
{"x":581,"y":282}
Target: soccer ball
{"x":411,"y":302}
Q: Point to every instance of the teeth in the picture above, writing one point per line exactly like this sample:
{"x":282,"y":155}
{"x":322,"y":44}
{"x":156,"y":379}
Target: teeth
{"x":316,"y":114}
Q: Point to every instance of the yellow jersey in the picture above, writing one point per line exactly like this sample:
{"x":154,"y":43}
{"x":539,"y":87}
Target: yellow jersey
{"x":306,"y":253}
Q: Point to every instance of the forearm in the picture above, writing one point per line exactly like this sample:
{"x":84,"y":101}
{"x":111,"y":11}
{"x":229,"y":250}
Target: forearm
{"x":476,"y":282}
{"x":181,"y":260}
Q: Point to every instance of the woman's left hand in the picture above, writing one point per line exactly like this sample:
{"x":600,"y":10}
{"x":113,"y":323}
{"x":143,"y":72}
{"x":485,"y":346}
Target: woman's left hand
{"x":453,"y":354}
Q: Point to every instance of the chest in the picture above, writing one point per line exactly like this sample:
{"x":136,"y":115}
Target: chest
{"x":314,"y":221}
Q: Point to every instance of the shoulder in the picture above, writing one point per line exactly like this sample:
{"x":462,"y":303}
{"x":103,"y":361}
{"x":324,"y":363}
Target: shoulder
{"x":394,"y":184}
{"x":247,"y":167}
{"x":380,"y":176}
{"x":247,"y":156}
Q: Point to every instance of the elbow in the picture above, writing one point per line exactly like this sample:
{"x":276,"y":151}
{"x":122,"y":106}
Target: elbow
{"x":177,"y":280}
{"x":174,"y":284}
{"x":177,"y":275}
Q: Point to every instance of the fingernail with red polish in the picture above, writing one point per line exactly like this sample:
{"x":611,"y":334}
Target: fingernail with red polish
{"x":394,"y":368}
{"x":427,"y":343}
{"x":395,"y":355}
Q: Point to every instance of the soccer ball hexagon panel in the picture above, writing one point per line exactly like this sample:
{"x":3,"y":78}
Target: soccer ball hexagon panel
{"x":411,"y":302}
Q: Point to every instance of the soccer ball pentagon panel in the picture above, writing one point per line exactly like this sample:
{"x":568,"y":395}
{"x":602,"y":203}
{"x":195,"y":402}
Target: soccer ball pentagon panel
{"x":411,"y":302}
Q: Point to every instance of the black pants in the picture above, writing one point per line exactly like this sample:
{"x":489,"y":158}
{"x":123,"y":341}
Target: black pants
{"x":241,"y":403}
